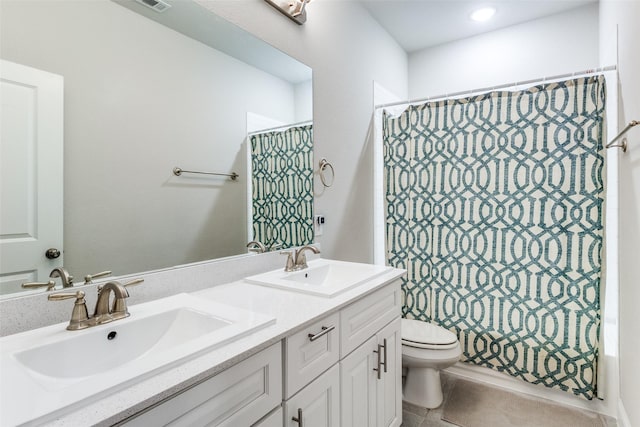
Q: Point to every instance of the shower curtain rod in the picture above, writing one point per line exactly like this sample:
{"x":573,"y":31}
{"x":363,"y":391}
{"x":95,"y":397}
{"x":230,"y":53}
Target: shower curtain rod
{"x":256,"y":132}
{"x":504,"y":86}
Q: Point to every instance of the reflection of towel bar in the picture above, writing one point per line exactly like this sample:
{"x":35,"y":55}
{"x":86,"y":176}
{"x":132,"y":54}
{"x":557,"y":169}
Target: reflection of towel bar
{"x":177,"y":172}
{"x":623,"y":145}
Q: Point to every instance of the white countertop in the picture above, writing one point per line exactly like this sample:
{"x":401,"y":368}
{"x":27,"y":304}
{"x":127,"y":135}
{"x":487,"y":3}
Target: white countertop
{"x":292,"y":310}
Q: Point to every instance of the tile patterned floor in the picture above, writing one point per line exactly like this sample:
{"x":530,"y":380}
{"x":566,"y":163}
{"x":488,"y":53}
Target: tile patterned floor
{"x":415,"y":416}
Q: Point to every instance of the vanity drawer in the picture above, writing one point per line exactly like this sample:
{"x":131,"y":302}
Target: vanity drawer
{"x":362,"y":319}
{"x":310,"y":352}
{"x":241,"y":395}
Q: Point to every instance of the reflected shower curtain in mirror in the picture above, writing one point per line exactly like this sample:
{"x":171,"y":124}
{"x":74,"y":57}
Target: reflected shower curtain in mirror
{"x":494,"y":205}
{"x":282,"y":187}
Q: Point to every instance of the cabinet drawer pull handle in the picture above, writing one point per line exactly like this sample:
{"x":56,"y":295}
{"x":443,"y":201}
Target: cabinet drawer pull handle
{"x":379,"y":362}
{"x":298,"y":419}
{"x":385,"y":355}
{"x":325,"y":331}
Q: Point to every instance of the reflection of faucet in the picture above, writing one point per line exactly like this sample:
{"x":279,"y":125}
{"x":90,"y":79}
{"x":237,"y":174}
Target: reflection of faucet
{"x":65,"y":277}
{"x":297,"y":260}
{"x":256,"y":246}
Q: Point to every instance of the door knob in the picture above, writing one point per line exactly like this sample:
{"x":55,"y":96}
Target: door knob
{"x":52,"y":253}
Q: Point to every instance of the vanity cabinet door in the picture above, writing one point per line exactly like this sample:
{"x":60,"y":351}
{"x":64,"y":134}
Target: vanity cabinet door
{"x":389,"y":387}
{"x":239,"y":396}
{"x":370,"y":399}
{"x":358,"y":386}
{"x":272,"y":420}
{"x":310,"y":352}
{"x":365,"y":317}
{"x":318,"y":404}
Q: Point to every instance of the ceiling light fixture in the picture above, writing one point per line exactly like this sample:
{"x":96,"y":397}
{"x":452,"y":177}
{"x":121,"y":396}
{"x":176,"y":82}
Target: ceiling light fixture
{"x":292,"y":9}
{"x":484,"y":14}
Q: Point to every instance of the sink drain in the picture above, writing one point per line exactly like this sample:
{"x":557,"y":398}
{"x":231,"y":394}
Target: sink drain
{"x":111,"y":335}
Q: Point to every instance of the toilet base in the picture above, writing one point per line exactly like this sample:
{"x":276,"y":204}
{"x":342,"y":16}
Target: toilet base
{"x":423,"y":387}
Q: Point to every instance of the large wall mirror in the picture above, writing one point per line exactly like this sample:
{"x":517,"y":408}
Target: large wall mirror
{"x":145,"y":92}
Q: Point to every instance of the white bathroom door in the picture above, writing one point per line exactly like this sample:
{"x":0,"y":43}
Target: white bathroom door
{"x":31,"y":175}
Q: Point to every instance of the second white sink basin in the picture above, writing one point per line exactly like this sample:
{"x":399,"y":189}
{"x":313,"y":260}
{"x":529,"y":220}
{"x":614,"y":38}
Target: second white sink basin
{"x":48,"y":369}
{"x":323,"y":277}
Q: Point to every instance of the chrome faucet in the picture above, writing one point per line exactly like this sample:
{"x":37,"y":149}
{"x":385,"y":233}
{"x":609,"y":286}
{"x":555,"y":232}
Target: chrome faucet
{"x":103,"y":313}
{"x":65,"y":277}
{"x":297,"y":260}
{"x":118,"y":310}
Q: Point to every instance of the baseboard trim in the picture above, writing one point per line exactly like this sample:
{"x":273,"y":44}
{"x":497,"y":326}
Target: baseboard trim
{"x":623,"y":418}
{"x":504,"y":381}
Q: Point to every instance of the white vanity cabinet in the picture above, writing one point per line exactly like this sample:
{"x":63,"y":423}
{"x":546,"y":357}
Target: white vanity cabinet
{"x":343,"y":369}
{"x":316,"y":405}
{"x":239,"y":396}
{"x":364,"y":388}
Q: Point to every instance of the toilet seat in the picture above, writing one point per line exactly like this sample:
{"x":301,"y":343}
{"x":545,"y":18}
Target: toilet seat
{"x":419,"y":334}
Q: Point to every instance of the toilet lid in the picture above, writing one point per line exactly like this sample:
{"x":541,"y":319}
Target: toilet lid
{"x":416,"y":332}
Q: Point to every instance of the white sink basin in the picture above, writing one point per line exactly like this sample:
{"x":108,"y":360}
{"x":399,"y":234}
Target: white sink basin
{"x":323,"y":277}
{"x":48,"y":369}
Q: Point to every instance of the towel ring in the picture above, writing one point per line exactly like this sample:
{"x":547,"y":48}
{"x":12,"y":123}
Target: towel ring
{"x":324,"y":164}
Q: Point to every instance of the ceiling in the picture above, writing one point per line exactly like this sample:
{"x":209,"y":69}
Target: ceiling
{"x":418,"y":24}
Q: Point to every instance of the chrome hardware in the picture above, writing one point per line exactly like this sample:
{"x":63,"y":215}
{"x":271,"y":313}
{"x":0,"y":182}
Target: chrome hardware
{"x":50,"y":285}
{"x":178,"y":171}
{"x":89,"y":277}
{"x":256,"y":246}
{"x":52,"y":253}
{"x":623,"y":145}
{"x":79,"y":315}
{"x":325,"y":330}
{"x":384,"y":345}
{"x":379,"y":352}
{"x":103,"y":313}
{"x":290,"y":265}
{"x":65,"y":277}
{"x":298,"y":419}
{"x":382,"y":348}
{"x":299,"y":260}
{"x":119,"y":308}
{"x":324,"y":164}
{"x":134,"y":282}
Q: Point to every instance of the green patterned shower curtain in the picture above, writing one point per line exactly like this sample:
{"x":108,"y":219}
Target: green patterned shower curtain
{"x":282,"y":187}
{"x":494,"y":205}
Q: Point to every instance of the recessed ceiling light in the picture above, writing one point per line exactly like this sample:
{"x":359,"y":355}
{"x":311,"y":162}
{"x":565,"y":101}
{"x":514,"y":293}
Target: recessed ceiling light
{"x":483,"y":14}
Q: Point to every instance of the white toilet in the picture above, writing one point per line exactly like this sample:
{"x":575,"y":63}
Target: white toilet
{"x":426,"y":349}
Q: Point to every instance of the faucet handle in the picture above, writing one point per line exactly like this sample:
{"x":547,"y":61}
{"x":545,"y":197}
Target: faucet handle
{"x":89,"y":277}
{"x":66,"y":295}
{"x":79,"y":315}
{"x":49,"y":285}
{"x":134,"y":282}
{"x":290,"y":266}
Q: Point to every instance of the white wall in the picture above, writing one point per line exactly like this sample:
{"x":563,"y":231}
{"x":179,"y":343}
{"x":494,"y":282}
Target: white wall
{"x":347,"y":50}
{"x":304,"y":101}
{"x":553,"y":45}
{"x":139,"y":100}
{"x":620,"y":19}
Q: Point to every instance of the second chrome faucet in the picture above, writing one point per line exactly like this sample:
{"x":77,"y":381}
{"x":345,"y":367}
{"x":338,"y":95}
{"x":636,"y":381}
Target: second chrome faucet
{"x":297,"y":260}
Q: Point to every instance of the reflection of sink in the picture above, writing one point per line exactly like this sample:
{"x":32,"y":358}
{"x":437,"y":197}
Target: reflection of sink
{"x":51,"y":368}
{"x":323,"y":277}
